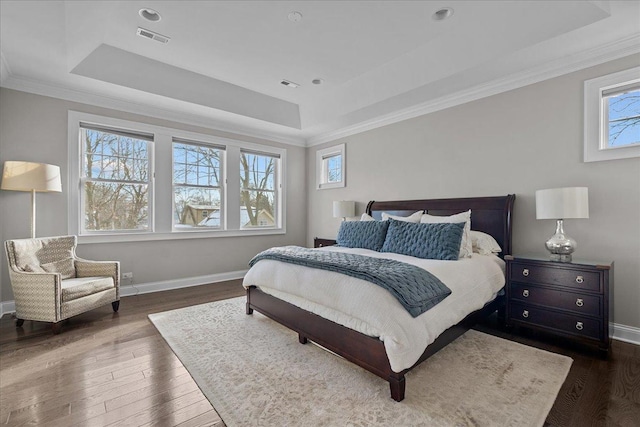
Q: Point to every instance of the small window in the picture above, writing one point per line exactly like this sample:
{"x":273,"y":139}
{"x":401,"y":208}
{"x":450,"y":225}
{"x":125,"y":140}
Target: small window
{"x":330,"y":167}
{"x":115,"y":179}
{"x":197,"y":194}
{"x":259,"y":189}
{"x":621,"y":116}
{"x":612,"y":116}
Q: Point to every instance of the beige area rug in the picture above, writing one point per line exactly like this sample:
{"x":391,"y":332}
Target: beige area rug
{"x":255,"y":373}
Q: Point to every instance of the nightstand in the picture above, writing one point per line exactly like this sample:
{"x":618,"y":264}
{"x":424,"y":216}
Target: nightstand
{"x":567,"y":299}
{"x":319,"y":242}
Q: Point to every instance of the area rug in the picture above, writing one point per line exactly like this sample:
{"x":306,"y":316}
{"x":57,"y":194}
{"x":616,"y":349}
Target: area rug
{"x":256,"y":373}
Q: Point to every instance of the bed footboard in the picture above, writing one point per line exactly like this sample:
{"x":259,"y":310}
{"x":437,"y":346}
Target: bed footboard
{"x":363,"y":350}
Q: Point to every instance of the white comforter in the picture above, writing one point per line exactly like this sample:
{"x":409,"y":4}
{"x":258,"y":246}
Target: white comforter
{"x":371,"y":310}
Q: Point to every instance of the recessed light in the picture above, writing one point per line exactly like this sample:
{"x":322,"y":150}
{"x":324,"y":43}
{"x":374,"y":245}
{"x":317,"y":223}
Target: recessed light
{"x":317,"y":81}
{"x":294,"y":16}
{"x":442,"y":14}
{"x":150,"y":15}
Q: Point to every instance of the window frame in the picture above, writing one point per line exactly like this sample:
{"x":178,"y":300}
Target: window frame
{"x":221,"y":183}
{"x":277,"y":191}
{"x":83,"y":178}
{"x":322,"y":182}
{"x":161,"y":204}
{"x":596,"y":118}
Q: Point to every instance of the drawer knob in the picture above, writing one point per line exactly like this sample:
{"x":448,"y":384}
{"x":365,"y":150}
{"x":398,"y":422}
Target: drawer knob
{"x":525,"y":313}
{"x":525,"y":272}
{"x":525,"y":293}
{"x":579,"y":326}
{"x":579,"y":279}
{"x":579,"y":302}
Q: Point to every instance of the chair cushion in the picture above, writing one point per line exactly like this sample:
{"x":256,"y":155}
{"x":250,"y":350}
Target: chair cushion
{"x":82,"y":286}
{"x":53,"y":255}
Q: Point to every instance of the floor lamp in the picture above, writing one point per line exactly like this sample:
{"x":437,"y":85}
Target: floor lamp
{"x":33,"y":177}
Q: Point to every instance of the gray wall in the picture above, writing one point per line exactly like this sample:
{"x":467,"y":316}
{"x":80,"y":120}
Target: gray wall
{"x":34,"y":128}
{"x":515,"y":142}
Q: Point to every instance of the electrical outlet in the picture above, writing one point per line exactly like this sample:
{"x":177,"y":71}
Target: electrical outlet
{"x":128,"y":276}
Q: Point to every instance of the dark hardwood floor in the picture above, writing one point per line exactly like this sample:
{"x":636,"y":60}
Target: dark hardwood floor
{"x":115,"y":369}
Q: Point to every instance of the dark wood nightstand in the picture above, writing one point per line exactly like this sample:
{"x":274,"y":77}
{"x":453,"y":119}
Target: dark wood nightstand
{"x":319,"y":242}
{"x":568,"y":299}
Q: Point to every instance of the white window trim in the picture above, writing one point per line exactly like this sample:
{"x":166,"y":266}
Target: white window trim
{"x":594,"y":127}
{"x":320,"y":155}
{"x":162,"y":203}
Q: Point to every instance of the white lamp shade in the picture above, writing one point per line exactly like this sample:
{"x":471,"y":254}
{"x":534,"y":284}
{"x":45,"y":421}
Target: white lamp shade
{"x":28,"y":176}
{"x":342,"y":209}
{"x":562,"y":203}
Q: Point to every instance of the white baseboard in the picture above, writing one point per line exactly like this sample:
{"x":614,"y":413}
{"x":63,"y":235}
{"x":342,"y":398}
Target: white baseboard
{"x":145,"y":288}
{"x":166,"y":285}
{"x":626,"y":333}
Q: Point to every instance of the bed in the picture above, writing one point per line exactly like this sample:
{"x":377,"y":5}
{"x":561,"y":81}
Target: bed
{"x":491,"y":215}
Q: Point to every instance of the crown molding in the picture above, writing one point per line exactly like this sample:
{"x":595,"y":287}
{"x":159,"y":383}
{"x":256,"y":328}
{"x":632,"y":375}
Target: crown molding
{"x":565,"y":65}
{"x":38,"y":87}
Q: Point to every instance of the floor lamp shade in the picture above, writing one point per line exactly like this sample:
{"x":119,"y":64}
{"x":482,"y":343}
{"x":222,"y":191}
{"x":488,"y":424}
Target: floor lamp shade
{"x":343,"y":209}
{"x":32,"y":177}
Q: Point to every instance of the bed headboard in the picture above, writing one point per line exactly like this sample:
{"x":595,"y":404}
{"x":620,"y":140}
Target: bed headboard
{"x":491,"y":215}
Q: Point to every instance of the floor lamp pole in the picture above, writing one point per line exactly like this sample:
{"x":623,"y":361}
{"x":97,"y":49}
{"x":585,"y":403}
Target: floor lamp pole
{"x":33,"y":214}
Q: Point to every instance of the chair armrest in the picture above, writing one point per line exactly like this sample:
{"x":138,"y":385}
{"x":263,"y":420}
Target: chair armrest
{"x":88,"y":268}
{"x":37,"y":295}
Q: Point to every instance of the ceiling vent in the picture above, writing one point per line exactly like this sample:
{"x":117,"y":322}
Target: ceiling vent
{"x":288,"y":83}
{"x":147,"y":34}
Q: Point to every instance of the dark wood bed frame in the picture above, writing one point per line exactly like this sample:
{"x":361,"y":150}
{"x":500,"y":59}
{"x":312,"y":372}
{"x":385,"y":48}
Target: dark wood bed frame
{"x":491,"y":215}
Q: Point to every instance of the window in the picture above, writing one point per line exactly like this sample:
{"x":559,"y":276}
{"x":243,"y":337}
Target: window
{"x":197,"y":193}
{"x":330,"y":167}
{"x":116,"y":179}
{"x":258,"y":189}
{"x":621,"y":116}
{"x":612,"y":116}
{"x":133,"y":181}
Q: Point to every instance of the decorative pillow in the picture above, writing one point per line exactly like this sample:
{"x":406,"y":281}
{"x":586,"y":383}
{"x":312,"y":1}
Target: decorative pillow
{"x":65,"y":267}
{"x":430,"y":241}
{"x":484,"y":244}
{"x":414,"y":217}
{"x":366,"y":217}
{"x":362,"y":234}
{"x":466,"y":247}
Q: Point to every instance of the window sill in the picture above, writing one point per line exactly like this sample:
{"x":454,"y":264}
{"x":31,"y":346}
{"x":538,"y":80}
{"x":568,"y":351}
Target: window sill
{"x":178,"y":235}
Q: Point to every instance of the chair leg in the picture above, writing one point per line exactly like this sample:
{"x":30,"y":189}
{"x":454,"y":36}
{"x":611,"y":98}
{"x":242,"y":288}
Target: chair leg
{"x":19,"y":322}
{"x":115,"y":305}
{"x":56,"y":327}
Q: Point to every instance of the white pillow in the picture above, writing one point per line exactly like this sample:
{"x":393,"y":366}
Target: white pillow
{"x":466,"y":247}
{"x":414,"y":217}
{"x":484,"y":244}
{"x":366,"y":217}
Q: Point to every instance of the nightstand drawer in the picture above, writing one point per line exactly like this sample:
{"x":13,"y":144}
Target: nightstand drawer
{"x":572,"y":324}
{"x":574,"y":278}
{"x":579,"y":303}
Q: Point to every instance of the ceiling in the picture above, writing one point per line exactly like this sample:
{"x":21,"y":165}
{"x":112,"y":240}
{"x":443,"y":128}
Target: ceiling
{"x":379,"y":61}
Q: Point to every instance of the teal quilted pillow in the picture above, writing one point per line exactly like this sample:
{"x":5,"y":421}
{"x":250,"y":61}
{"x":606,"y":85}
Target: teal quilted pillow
{"x":362,"y":234}
{"x":430,"y":241}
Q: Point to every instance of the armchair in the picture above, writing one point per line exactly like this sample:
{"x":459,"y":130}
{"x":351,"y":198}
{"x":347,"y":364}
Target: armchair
{"x":50,"y":283}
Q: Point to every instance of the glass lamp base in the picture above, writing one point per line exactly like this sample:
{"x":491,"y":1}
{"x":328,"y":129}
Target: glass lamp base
{"x":560,"y":245}
{"x":560,"y":257}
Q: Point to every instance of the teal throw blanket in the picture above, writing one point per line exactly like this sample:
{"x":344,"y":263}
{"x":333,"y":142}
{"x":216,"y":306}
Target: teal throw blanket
{"x":415,"y":288}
